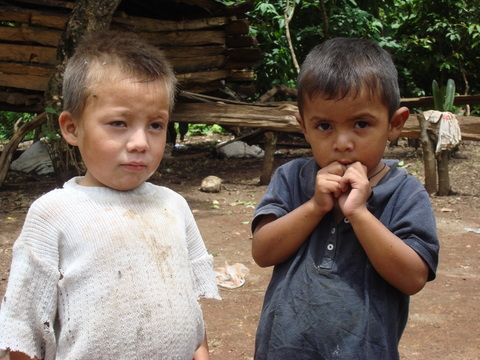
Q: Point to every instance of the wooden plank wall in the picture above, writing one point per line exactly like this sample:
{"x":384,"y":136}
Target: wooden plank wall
{"x":203,"y":51}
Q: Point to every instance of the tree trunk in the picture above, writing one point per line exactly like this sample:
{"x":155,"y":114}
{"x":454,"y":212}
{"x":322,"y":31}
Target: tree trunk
{"x":86,"y":16}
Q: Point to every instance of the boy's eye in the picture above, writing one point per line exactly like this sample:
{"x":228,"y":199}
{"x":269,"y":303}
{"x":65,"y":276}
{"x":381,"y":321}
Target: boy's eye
{"x":361,"y":124}
{"x":117,"y":123}
{"x":157,"y":126}
{"x":324,"y":126}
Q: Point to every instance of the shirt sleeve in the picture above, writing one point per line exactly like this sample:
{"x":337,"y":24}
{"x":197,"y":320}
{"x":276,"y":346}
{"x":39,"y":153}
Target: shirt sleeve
{"x":409,"y":215}
{"x":28,"y":309}
{"x":201,"y":261}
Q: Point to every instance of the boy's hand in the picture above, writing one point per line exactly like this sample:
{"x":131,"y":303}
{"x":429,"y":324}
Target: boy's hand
{"x":355,"y":189}
{"x":328,"y":185}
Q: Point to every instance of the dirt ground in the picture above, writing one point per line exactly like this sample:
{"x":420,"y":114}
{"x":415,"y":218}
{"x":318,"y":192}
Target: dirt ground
{"x":443,"y":321}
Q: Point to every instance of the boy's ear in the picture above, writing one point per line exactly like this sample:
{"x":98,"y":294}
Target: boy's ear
{"x":398,"y":121}
{"x":68,"y":126}
{"x":300,"y":121}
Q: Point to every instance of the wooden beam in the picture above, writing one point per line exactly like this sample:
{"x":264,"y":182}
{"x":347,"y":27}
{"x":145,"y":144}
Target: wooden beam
{"x":25,"y":69}
{"x":281,"y":118}
{"x":193,"y":51}
{"x":28,"y":54}
{"x":242,"y":75}
{"x":54,"y":3}
{"x":241,"y":41}
{"x":183,"y":65}
{"x":204,"y":76}
{"x":186,"y":38}
{"x":33,"y":17}
{"x":238,"y":27}
{"x":30,"y":82}
{"x":153,"y":25}
{"x":427,"y":101}
{"x":29,"y":34}
{"x":271,"y":118}
{"x":245,"y":54}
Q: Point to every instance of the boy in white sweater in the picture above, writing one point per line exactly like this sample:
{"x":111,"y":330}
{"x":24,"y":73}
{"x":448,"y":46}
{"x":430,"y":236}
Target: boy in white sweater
{"x":110,"y":266}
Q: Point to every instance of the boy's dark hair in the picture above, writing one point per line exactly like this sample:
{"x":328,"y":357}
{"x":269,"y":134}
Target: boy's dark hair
{"x":113,"y":55}
{"x":342,"y":67}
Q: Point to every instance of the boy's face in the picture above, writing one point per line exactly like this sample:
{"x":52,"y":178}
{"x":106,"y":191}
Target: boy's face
{"x":349,"y":130}
{"x":121,"y":133}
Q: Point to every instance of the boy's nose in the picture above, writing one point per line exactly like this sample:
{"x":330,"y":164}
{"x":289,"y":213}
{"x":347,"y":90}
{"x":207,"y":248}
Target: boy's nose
{"x":138,"y":140}
{"x":343,"y":142}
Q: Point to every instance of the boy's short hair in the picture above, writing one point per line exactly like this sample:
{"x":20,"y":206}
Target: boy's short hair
{"x":342,"y":67}
{"x":101,"y":55}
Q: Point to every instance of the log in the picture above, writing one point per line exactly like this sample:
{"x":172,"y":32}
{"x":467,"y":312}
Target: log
{"x":242,"y":75}
{"x":241,"y":41}
{"x":33,"y":17}
{"x":153,"y":25}
{"x":26,"y":69}
{"x":28,"y":54}
{"x":29,"y":82}
{"x":427,"y":101}
{"x":185,"y":38}
{"x":183,"y":65}
{"x":201,"y":77}
{"x":28,"y":34}
{"x":270,"y":118}
{"x":194,"y":51}
{"x":245,"y":54}
{"x":238,"y":27}
{"x":54,"y":3}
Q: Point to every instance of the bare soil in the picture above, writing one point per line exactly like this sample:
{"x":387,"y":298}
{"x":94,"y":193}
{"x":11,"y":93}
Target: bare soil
{"x":443,"y":320}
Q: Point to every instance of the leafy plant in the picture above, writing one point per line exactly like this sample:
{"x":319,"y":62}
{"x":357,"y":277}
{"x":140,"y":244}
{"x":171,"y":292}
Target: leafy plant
{"x":444,"y":96}
{"x":7,"y":123}
{"x":204,"y":129}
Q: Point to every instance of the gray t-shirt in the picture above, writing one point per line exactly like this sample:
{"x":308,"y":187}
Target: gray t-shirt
{"x":327,"y":301}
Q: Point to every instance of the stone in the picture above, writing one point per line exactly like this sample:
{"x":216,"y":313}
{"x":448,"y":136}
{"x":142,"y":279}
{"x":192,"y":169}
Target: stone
{"x":211,"y":184}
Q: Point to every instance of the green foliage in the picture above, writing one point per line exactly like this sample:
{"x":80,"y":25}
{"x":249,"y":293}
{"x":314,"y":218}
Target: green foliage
{"x":437,"y":40}
{"x":204,"y":129}
{"x":428,"y":39}
{"x":7,"y":123}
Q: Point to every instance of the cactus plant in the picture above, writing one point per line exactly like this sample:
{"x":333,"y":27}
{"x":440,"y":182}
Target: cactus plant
{"x":443,"y":97}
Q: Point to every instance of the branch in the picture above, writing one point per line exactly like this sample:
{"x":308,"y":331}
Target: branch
{"x":288,"y":17}
{"x":323,"y":9}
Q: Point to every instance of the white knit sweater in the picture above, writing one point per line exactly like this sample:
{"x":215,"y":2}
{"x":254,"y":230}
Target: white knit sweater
{"x":105,"y":274}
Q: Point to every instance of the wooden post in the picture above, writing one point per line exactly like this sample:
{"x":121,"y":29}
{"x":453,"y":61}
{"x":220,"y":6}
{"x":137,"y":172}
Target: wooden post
{"x":443,"y":176}
{"x":270,"y":146}
{"x":429,"y":160}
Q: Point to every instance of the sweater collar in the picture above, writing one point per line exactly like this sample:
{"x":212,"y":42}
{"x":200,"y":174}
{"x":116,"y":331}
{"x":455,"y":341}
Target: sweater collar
{"x":144,"y":189}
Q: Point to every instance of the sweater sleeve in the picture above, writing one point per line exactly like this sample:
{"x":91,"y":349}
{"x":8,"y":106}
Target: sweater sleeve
{"x":201,"y":261}
{"x":28,"y":309}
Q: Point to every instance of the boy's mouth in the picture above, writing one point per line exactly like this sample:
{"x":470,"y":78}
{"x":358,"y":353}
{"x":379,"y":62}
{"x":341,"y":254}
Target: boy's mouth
{"x":134,"y":166}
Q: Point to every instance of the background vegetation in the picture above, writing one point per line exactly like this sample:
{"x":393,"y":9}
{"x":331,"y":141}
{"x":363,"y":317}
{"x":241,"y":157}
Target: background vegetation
{"x":432,"y":39}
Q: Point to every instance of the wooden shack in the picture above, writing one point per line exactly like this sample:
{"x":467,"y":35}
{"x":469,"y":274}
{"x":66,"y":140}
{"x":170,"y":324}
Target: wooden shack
{"x":207,"y":42}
